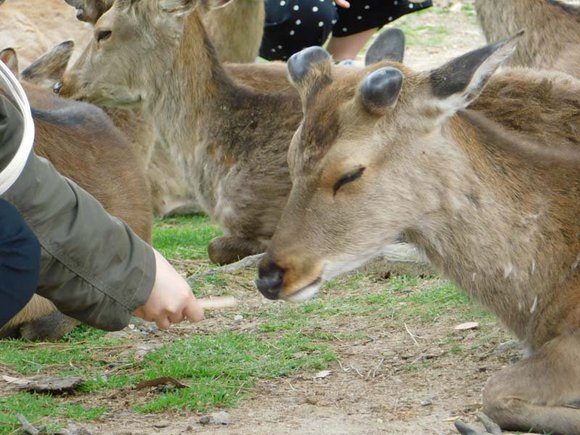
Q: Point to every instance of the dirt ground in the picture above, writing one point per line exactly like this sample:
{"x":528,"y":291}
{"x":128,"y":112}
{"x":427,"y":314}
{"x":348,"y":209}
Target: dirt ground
{"x":369,"y":390}
{"x":393,"y":381}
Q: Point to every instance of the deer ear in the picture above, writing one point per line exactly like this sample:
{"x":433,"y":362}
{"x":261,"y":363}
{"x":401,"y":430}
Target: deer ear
{"x":177,"y":7}
{"x":9,"y":58}
{"x":380,"y":90}
{"x":50,"y":65}
{"x":460,"y":81}
{"x":389,"y":45}
{"x":309,"y":70}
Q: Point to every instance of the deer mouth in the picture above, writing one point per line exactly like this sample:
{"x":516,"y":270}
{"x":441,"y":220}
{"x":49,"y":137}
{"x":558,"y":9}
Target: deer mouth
{"x":305,"y":293}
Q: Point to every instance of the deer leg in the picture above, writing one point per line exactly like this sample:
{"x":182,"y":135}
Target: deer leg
{"x":540,"y":393}
{"x":491,"y":427}
{"x":38,"y":320}
{"x":51,"y":327}
{"x":227,"y":249}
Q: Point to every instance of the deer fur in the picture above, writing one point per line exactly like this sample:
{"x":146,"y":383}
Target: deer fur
{"x":228,"y":140}
{"x":235,"y":28}
{"x":108,"y":169}
{"x":484,"y":179}
{"x":552,"y":37}
{"x":32,"y":27}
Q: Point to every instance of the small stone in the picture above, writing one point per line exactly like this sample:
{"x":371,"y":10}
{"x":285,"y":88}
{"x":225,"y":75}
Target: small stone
{"x":311,"y":400}
{"x":238,"y":318}
{"x":161,"y":424}
{"x":428,"y":401}
{"x":204,"y":419}
{"x":221,"y":418}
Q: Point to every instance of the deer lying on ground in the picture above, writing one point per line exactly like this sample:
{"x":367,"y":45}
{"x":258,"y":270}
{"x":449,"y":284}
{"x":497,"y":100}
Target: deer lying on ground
{"x":229,"y":141}
{"x":552,"y":37}
{"x":480,"y":171}
{"x":83,"y":145}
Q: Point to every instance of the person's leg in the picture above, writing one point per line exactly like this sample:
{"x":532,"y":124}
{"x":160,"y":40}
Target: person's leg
{"x":292,"y":25}
{"x":19,"y":262}
{"x":347,"y":47}
{"x":357,"y":24}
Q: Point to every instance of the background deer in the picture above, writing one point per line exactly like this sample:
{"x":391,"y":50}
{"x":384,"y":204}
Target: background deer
{"x":485,"y":181}
{"x":83,"y":145}
{"x":32,"y":27}
{"x":227,"y":140}
{"x":552,"y":37}
{"x":235,"y":29}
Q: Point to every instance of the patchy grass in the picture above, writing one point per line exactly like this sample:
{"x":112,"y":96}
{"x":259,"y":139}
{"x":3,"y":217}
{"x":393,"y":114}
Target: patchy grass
{"x":184,"y":237}
{"x":221,"y":366}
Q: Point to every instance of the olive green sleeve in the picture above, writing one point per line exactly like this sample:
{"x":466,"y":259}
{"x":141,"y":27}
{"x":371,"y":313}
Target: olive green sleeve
{"x":93,"y":267}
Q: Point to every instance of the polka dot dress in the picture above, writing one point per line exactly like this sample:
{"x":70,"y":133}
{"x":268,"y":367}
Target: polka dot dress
{"x":292,"y":25}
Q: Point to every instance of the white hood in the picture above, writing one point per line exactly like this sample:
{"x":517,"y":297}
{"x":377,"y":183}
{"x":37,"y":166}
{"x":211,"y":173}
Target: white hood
{"x":13,"y":88}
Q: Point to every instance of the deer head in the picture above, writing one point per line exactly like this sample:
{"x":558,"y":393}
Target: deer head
{"x":134,"y":45}
{"x":369,"y":163}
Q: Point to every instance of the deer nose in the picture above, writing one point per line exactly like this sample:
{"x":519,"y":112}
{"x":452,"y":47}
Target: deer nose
{"x":270,"y":277}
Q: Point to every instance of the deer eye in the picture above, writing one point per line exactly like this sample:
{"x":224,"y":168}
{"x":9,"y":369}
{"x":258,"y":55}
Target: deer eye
{"x":348,"y":178}
{"x":103,"y":35}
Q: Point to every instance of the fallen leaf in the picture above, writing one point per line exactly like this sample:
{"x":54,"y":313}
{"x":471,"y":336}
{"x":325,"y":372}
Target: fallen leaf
{"x":53,"y":384}
{"x":466,"y":326}
{"x":164,"y":380}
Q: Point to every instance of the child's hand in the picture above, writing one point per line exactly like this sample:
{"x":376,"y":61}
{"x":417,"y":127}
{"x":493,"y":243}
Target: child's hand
{"x":171,"y":300}
{"x":342,"y":3}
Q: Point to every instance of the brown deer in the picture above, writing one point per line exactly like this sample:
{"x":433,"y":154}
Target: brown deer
{"x":229,"y":141}
{"x":480,"y":170}
{"x":32,"y":27}
{"x":235,"y":29}
{"x":552,"y":37}
{"x":83,"y":145}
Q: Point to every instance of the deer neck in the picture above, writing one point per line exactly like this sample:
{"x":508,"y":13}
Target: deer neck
{"x":486,"y":230}
{"x":193,"y":83}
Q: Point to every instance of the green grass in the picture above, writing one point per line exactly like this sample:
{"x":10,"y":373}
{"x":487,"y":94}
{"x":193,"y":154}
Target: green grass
{"x":184,"y":238}
{"x":424,"y":34}
{"x":42,"y":410}
{"x":221,"y":367}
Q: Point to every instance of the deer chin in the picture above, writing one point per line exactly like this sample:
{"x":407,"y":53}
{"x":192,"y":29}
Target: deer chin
{"x":305,"y":293}
{"x":115,"y":97}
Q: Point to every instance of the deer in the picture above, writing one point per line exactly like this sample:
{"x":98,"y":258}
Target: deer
{"x":480,"y":169}
{"x":228,"y":140}
{"x":235,"y":43}
{"x":84,"y":146}
{"x":552,"y":33}
{"x":235,"y":28}
{"x":32,"y":27}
